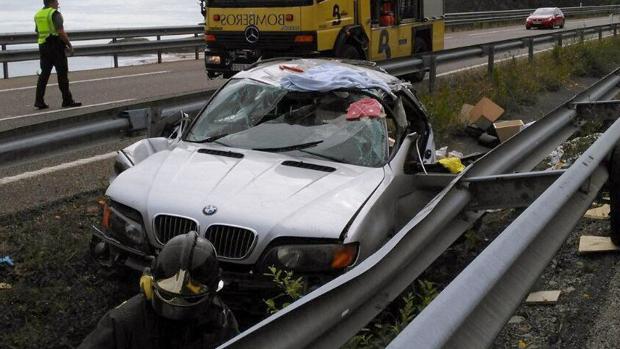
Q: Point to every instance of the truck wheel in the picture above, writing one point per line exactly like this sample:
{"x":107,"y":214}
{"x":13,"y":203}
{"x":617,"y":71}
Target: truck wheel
{"x":349,"y":51}
{"x":614,"y":195}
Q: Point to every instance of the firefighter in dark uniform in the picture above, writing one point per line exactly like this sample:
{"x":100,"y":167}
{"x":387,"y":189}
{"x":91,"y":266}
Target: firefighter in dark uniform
{"x":53,"y":41}
{"x":178,"y":306}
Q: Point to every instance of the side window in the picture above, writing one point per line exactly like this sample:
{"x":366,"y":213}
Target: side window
{"x":409,"y":9}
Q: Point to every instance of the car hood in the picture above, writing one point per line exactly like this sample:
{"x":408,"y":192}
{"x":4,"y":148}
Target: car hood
{"x":540,"y":17}
{"x":271,"y":194}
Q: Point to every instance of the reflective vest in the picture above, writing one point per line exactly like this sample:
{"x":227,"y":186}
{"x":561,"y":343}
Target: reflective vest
{"x":45,"y":24}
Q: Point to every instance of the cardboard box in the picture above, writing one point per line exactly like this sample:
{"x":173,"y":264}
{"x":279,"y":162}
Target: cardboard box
{"x":464,"y":115}
{"x":507,"y":129}
{"x":485,"y":113}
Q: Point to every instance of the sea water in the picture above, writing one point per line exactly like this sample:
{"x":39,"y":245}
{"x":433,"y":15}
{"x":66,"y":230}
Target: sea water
{"x":18,"y":16}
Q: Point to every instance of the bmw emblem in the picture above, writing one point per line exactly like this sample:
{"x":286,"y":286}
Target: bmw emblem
{"x":209,"y":210}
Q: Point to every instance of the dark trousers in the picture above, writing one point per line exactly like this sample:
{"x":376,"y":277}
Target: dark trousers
{"x":52,"y":54}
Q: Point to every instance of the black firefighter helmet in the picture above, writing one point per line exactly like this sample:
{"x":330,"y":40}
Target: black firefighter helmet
{"x":186,"y":276}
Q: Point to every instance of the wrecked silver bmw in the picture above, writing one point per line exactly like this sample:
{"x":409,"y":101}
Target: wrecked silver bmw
{"x":299,"y":164}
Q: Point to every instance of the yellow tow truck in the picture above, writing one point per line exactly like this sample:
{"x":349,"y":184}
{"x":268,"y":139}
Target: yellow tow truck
{"x":240,"y":32}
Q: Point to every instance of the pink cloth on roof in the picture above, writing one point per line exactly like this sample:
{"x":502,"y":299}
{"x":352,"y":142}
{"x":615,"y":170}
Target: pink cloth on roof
{"x":365,"y":107}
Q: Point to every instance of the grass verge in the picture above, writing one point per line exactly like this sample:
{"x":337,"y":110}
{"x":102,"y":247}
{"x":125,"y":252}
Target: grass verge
{"x":517,"y":83}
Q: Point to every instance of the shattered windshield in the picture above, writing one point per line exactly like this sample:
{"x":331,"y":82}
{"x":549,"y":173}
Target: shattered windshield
{"x":340,"y":126}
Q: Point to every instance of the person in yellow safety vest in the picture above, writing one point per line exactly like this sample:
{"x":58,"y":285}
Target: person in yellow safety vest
{"x":53,"y":41}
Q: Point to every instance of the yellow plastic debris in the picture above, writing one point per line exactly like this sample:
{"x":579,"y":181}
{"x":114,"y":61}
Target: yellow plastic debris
{"x":522,"y":344}
{"x":452,"y":164}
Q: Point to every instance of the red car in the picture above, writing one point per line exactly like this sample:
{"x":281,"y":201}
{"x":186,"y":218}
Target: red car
{"x":546,"y":17}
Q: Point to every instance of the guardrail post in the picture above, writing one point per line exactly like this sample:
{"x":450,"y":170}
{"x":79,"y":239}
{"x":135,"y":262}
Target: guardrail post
{"x":615,"y":29}
{"x":115,"y":55}
{"x":600,"y":33}
{"x":158,"y":51}
{"x":559,"y":39}
{"x":432,"y":72}
{"x":5,"y":65}
{"x":491,"y":64}
{"x":530,"y":50}
{"x":581,"y":36}
{"x":196,"y":36}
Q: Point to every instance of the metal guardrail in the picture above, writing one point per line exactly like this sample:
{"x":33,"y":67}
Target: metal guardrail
{"x":330,"y":315}
{"x":115,"y":48}
{"x":463,"y":18}
{"x":430,"y":61}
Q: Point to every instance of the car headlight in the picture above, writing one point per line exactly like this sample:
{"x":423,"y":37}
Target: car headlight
{"x":312,"y":258}
{"x":213,"y":60}
{"x":124,"y":223}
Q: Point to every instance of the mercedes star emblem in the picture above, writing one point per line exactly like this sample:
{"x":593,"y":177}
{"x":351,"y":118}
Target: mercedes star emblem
{"x":252,"y":34}
{"x":209,"y":210}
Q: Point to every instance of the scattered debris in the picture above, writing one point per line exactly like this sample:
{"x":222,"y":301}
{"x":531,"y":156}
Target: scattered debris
{"x":7,"y":260}
{"x":516,"y":319}
{"x":485,"y":113}
{"x":488,"y":140}
{"x":5,"y":286}
{"x":452,"y":164}
{"x":464,"y":114}
{"x":601,"y":212}
{"x":591,"y":244}
{"x":507,"y":129}
{"x":543,"y":297}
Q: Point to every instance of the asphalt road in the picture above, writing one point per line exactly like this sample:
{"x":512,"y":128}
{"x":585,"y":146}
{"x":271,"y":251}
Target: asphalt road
{"x":103,"y":88}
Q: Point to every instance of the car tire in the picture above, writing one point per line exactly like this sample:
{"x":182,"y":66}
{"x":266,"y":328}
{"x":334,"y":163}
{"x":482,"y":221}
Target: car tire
{"x":348,"y":51}
{"x":614,"y":195}
{"x":527,"y":27}
{"x":562,"y":25}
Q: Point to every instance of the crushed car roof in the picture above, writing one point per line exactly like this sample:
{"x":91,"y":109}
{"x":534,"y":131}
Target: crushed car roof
{"x":271,"y":71}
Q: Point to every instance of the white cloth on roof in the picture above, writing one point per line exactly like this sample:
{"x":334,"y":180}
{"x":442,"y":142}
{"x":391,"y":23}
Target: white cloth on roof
{"x":329,"y":77}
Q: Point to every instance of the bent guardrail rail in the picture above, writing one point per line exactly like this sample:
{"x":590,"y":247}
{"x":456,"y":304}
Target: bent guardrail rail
{"x":330,"y":315}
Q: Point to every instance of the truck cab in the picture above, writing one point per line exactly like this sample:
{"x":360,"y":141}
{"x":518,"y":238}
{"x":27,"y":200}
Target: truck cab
{"x":240,"y":32}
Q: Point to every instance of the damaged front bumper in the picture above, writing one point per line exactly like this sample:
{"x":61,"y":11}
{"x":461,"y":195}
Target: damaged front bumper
{"x":109,"y":251}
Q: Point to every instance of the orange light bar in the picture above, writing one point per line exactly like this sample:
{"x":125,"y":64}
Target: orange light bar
{"x":304,"y":38}
{"x":289,"y":18}
{"x":105,"y":218}
{"x":210,"y":38}
{"x":344,"y":256}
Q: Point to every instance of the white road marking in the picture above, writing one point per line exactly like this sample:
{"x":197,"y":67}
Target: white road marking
{"x":495,"y":32}
{"x":52,"y":169}
{"x":61,"y":110}
{"x":90,"y":80}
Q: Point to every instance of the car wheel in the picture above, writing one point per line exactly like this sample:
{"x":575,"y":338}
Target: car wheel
{"x":562,"y":25}
{"x":349,"y":51}
{"x":614,"y":195}
{"x":527,"y":27}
